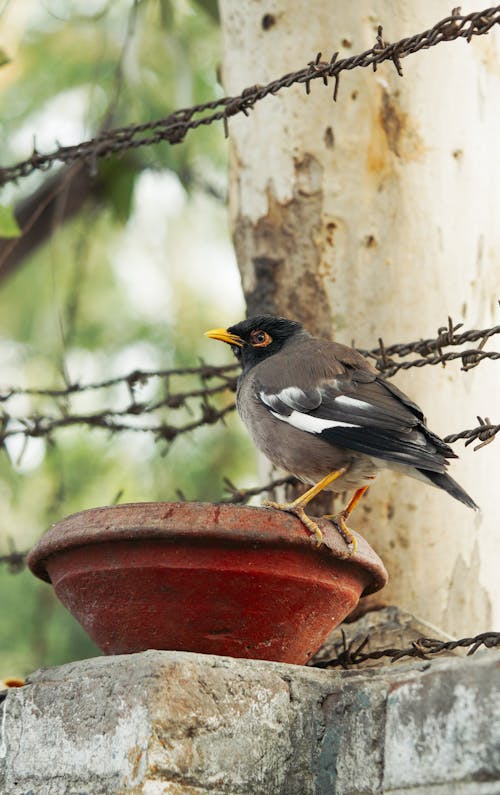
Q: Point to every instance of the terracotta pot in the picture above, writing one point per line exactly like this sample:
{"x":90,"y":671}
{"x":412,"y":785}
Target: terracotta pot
{"x":216,"y":579}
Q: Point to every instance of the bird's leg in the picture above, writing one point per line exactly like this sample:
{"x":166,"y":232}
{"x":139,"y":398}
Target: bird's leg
{"x":340,"y":519}
{"x":297,"y":506}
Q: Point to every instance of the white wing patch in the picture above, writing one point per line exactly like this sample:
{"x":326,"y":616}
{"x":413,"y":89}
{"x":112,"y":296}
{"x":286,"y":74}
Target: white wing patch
{"x":349,"y":402}
{"x":290,"y":396}
{"x":304,"y":422}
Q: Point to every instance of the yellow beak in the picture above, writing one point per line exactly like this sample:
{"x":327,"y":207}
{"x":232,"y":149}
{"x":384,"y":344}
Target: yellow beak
{"x":224,"y":336}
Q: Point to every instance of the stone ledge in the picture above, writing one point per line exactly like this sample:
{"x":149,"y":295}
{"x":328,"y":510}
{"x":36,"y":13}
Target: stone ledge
{"x":172,"y":722}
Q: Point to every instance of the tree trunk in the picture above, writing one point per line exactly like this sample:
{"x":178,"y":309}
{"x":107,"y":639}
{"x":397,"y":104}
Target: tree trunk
{"x":378,"y":216}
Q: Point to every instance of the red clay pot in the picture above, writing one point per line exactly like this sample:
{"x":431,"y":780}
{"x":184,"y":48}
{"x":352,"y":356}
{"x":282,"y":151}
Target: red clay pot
{"x":215,"y":579}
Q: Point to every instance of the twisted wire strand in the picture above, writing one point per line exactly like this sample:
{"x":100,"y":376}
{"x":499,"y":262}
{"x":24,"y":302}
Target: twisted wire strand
{"x":174,"y":127}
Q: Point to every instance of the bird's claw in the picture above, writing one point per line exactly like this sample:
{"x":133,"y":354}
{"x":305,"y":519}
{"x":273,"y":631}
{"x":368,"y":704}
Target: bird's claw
{"x":339,"y":521}
{"x":300,"y":513}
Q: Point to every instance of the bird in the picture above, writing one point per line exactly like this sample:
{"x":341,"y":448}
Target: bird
{"x":319,"y":410}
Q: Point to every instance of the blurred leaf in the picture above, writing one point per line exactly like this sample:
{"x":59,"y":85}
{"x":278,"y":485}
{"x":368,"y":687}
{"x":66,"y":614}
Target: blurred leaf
{"x":8,"y":224}
{"x":4,"y":58}
{"x":118,"y":179}
{"x":211,"y":7}
{"x":166,"y":14}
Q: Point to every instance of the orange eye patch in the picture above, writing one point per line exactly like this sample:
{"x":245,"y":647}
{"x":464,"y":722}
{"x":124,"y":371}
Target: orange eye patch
{"x":260,"y":339}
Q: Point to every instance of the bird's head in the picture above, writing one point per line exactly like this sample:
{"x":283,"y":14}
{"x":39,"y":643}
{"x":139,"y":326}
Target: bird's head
{"x":256,"y":338}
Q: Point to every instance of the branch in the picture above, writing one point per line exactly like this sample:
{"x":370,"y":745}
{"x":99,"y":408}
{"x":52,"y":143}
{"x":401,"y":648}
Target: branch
{"x":60,"y":197}
{"x":55,"y":202}
{"x":173,"y":128}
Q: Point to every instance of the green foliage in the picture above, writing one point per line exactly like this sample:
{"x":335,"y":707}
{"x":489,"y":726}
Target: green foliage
{"x":4,"y":58}
{"x":131,"y":63}
{"x":8,"y":224}
{"x":110,"y":291}
{"x":117,"y":180}
{"x":211,"y":7}
{"x":35,"y":630}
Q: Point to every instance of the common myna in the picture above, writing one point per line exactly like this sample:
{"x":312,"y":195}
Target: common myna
{"x":319,"y":410}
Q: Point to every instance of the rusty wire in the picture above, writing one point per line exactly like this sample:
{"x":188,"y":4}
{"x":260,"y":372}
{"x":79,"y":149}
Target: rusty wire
{"x":173,"y":128}
{"x":38,"y":426}
{"x":132,"y":380}
{"x":241,"y":496}
{"x":421,"y":648}
{"x":431,"y":350}
{"x":14,"y":560}
{"x":200,"y":400}
{"x":114,"y":420}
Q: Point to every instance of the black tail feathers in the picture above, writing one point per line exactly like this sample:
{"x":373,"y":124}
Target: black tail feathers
{"x":443,"y":481}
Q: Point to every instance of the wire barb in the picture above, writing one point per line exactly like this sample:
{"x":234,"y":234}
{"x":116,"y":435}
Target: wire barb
{"x":173,"y":128}
{"x":348,"y":655}
{"x":203,"y":402}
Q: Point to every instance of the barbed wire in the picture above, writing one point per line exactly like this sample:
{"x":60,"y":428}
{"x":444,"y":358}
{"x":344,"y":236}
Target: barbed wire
{"x":225,"y":376}
{"x":36,"y":427}
{"x":173,"y":128}
{"x":431,"y":350}
{"x":485,"y":431}
{"x":114,"y":420}
{"x":131,"y":380}
{"x":199,"y":401}
{"x":241,"y":496}
{"x":420,"y":648}
{"x":469,"y":359}
{"x":446,"y":335}
{"x":15,"y":560}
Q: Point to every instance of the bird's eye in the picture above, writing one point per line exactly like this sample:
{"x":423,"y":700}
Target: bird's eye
{"x":260,"y":339}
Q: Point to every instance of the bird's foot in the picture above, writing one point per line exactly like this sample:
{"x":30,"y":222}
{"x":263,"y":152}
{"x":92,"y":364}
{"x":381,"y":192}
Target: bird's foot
{"x":298,"y":511}
{"x":338,"y":520}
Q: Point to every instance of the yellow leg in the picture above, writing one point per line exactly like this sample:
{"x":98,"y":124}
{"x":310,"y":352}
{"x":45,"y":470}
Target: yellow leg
{"x":354,"y":501}
{"x":340,"y":518}
{"x":297,"y":506}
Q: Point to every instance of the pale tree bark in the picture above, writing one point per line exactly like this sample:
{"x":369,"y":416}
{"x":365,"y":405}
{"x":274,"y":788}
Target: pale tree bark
{"x":378,"y":216}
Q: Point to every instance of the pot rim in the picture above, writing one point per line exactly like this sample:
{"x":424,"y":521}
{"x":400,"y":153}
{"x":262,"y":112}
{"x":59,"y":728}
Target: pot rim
{"x":195,"y":523}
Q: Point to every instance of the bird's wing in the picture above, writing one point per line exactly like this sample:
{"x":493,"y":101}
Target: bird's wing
{"x":360,"y":411}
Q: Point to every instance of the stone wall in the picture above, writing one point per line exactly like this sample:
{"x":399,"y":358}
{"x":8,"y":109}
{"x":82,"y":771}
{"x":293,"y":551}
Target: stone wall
{"x":171,"y":722}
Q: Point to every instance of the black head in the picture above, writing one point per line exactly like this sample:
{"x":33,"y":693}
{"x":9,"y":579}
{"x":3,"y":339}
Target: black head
{"x":258,"y":337}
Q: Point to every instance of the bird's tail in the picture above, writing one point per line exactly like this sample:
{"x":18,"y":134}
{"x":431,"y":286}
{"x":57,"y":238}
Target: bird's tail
{"x":444,"y":481}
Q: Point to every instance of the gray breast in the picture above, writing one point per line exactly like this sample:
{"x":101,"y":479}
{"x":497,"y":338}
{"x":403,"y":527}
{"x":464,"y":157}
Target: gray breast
{"x":302,"y":454}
